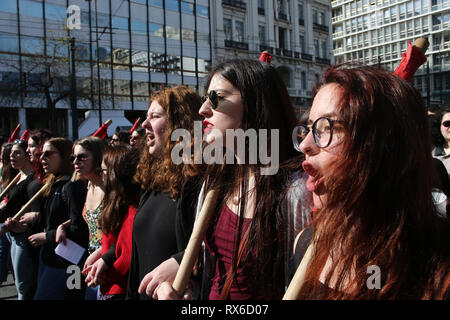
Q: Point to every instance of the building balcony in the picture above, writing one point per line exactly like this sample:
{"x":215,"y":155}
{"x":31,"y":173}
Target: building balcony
{"x":306,"y":56}
{"x":281,"y":16}
{"x":320,"y":27}
{"x":323,"y":60}
{"x":287,"y":53}
{"x":301,"y":22}
{"x":261,"y":11}
{"x":236,"y":45}
{"x":235,"y":4}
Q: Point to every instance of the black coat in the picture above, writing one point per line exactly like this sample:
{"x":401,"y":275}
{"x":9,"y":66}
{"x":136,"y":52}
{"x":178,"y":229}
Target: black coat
{"x":65,"y":201}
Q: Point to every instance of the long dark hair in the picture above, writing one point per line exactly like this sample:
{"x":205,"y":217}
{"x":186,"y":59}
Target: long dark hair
{"x":64,"y":147}
{"x":120,"y":189}
{"x":266,"y":105}
{"x":8,"y":172}
{"x":379,"y":209}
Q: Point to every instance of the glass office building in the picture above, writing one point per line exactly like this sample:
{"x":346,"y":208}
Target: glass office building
{"x":123,"y":50}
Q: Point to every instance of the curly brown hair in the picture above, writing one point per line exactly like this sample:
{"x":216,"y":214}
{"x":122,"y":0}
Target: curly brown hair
{"x":181,"y":105}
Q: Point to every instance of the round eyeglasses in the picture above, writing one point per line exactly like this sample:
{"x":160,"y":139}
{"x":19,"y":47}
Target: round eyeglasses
{"x":323,"y":130}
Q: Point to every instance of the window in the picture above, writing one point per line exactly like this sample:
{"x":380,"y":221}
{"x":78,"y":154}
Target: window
{"x":302,"y":43}
{"x":155,"y":29}
{"x":172,"y":5}
{"x":227,"y":29}
{"x":262,"y":34}
{"x":155,"y":3}
{"x":239,"y":27}
{"x":187,"y":7}
{"x":324,"y":49}
{"x":303,"y":80}
{"x":202,"y":11}
{"x":138,"y":26}
{"x":8,"y":6}
{"x":30,"y":8}
{"x":172,"y":32}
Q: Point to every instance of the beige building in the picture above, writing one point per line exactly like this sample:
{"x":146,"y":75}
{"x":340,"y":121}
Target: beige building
{"x":297,"y":33}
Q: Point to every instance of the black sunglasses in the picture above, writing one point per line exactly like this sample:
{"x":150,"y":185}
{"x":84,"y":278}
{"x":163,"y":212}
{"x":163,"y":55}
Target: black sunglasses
{"x":213,"y":98}
{"x":47,"y":154}
{"x":446,"y":123}
{"x":78,"y":157}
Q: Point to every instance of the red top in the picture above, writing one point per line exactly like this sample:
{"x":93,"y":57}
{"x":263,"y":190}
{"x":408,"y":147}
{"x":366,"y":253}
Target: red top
{"x":221,"y":245}
{"x":117,"y":275}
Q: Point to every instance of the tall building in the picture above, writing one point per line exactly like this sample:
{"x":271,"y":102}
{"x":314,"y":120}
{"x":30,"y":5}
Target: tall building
{"x":297,"y":33}
{"x":376,"y":32}
{"x":122,"y":49}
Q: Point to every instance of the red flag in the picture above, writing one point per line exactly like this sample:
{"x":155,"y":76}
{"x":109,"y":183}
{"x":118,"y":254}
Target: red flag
{"x":25,"y":135}
{"x":265,"y":57}
{"x":136,"y":125}
{"x":15,"y":134}
{"x":412,"y":59}
{"x":102,"y":132}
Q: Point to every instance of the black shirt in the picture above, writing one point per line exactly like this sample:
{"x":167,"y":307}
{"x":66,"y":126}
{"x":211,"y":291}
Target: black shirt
{"x":154,"y":238}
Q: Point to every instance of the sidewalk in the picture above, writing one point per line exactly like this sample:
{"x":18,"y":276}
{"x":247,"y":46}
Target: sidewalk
{"x":8,"y":289}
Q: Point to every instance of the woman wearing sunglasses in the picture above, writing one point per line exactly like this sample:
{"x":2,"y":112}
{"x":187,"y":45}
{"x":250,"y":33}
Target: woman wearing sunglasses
{"x":87,"y":158}
{"x":376,"y":232}
{"x":442,"y":149}
{"x":245,"y":242}
{"x":23,"y":256}
{"x":63,"y":201}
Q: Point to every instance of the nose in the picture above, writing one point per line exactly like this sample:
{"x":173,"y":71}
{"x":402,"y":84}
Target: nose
{"x":206,"y":110}
{"x":146,"y":124}
{"x":308,"y":146}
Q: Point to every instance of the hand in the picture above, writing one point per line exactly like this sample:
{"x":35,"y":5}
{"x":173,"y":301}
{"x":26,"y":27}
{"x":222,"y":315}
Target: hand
{"x":37,"y":239}
{"x":166,"y":292}
{"x":97,"y":273}
{"x":94,"y":256}
{"x":29,"y":217}
{"x":61,"y":232}
{"x":166,"y":271}
{"x":14,"y":226}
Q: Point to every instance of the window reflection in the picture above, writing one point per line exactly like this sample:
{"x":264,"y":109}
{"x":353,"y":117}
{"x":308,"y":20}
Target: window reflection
{"x":32,"y":45}
{"x":9,"y":43}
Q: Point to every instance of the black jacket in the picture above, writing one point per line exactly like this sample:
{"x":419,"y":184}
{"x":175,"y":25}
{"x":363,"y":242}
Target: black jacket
{"x":65,"y":201}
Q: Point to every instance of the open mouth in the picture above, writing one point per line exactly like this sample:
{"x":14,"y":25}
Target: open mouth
{"x":314,"y":177}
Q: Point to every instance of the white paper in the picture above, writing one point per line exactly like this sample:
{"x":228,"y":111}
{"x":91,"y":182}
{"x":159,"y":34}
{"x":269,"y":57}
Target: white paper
{"x":71,"y":251}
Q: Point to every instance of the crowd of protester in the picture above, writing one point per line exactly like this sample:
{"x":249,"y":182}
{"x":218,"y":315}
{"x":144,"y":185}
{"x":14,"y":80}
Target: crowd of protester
{"x":356,"y":184}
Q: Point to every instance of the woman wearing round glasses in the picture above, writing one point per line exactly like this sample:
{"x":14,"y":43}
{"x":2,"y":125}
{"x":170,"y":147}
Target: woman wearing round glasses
{"x":370,"y":172}
{"x":23,"y":257}
{"x":63,"y":201}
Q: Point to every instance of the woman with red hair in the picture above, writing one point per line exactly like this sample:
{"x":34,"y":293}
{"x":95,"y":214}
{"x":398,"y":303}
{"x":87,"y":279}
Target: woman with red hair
{"x":367,"y":154}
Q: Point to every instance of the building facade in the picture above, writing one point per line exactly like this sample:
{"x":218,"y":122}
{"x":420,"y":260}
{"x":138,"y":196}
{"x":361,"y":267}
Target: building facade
{"x":297,"y":33}
{"x":122,"y":49}
{"x":114,"y":53}
{"x":376,"y":32}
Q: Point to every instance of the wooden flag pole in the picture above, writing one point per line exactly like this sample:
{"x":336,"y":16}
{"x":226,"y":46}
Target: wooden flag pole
{"x":193,"y":248}
{"x":10,"y":185}
{"x":298,"y":280}
{"x":27,"y":206}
